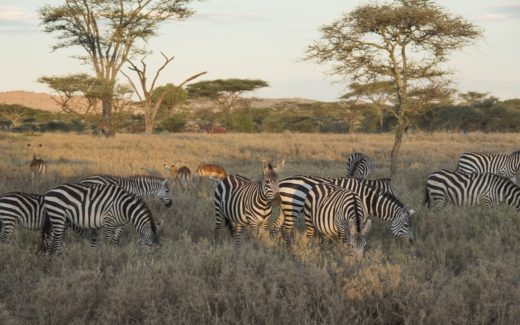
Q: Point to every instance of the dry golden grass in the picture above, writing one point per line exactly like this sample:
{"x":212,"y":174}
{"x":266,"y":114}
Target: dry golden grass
{"x":463,"y":267}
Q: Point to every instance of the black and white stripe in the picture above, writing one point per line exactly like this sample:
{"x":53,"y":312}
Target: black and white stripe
{"x":95,"y":207}
{"x":24,"y":209}
{"x":240,"y":202}
{"x":359,"y":165}
{"x":463,"y":189}
{"x":294,"y":190}
{"x":333,"y":211}
{"x":502,"y":165}
{"x":139,"y":185}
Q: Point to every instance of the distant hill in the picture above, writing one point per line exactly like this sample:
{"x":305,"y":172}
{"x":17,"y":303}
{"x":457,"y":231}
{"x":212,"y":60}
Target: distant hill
{"x":45,"y":102}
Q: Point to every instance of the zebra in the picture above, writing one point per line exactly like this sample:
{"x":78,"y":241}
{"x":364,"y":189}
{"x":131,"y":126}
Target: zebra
{"x":240,"y":202}
{"x":359,"y":165}
{"x":463,"y":189}
{"x":294,"y":190}
{"x":27,"y":210}
{"x":95,"y":207}
{"x":501,"y":165}
{"x":333,"y":210}
{"x":140,"y":185}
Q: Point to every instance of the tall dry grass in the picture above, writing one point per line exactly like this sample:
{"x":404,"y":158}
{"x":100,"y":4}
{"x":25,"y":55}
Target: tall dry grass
{"x":463,"y":267}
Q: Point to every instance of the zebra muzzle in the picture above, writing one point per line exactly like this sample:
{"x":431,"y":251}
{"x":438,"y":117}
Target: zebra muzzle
{"x":277,"y":200}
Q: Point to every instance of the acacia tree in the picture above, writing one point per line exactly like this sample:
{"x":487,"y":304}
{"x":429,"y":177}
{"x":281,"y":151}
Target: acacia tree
{"x":225,"y":93}
{"x":146,"y":95}
{"x":108,"y":32}
{"x":403,"y":42}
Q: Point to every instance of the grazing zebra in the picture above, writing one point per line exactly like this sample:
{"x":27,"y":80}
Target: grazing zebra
{"x":37,"y":164}
{"x":95,"y":207}
{"x":294,"y":190}
{"x":139,"y":185}
{"x":501,"y":165}
{"x":240,"y":202}
{"x":182,"y":174}
{"x":358,"y":165}
{"x":464,"y":189}
{"x":333,"y":210}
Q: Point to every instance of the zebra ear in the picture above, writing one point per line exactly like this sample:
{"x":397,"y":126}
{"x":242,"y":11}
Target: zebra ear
{"x":166,"y":166}
{"x":279,"y":167}
{"x":366,"y":227}
{"x":265,"y":167}
{"x":411,"y":212}
{"x":164,"y":182}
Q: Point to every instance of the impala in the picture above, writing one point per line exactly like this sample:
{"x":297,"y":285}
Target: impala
{"x":182,"y":174}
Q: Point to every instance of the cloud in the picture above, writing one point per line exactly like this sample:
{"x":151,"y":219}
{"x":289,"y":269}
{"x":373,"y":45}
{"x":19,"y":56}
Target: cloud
{"x":501,"y":13}
{"x":15,"y":14}
{"x":227,"y":17}
{"x":17,"y":20}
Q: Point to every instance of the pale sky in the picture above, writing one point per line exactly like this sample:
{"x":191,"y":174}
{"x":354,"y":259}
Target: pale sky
{"x":263,"y":39}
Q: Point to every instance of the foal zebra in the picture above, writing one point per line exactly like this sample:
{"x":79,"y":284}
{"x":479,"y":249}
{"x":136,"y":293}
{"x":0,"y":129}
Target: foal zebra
{"x":333,"y":211}
{"x":139,"y":185}
{"x":294,"y":190}
{"x":95,"y":207}
{"x":464,"y":189}
{"x":502,"y":165}
{"x":359,"y":165}
{"x":240,"y":202}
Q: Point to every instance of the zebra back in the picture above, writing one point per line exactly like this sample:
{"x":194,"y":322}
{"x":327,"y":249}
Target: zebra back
{"x":498,"y":164}
{"x":140,"y":185}
{"x":463,"y":189}
{"x":359,"y":165}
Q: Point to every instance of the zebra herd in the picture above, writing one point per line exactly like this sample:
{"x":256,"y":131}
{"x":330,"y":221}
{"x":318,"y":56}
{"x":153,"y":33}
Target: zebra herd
{"x":332,"y":207}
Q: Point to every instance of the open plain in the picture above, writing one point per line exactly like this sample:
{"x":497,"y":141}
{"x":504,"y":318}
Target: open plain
{"x":463,"y":267}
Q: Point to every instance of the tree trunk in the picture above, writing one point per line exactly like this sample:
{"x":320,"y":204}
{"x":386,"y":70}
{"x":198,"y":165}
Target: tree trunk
{"x":149,"y":124}
{"x":106,"y":126}
{"x":396,"y":148}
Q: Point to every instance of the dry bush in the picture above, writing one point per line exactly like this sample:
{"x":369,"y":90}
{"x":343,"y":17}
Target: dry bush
{"x":463,"y":267}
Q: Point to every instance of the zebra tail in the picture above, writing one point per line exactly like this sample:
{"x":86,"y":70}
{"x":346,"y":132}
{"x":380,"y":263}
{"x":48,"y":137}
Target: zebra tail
{"x":46,"y":231}
{"x":426,"y":200}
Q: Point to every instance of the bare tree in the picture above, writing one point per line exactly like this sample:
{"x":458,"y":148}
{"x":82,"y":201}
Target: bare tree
{"x":152,"y":103}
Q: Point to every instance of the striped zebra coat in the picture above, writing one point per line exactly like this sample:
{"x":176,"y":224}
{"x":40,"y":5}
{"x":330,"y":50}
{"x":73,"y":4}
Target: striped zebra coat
{"x":139,"y":185}
{"x":95,"y":207}
{"x":332,"y":211}
{"x":463,"y":189}
{"x":24,"y":209}
{"x":359,"y":165}
{"x":294,"y":190}
{"x":501,"y":165}
{"x":240,"y":202}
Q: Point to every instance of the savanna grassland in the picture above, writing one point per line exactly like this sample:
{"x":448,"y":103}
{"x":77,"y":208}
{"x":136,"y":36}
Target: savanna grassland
{"x":463,"y":267}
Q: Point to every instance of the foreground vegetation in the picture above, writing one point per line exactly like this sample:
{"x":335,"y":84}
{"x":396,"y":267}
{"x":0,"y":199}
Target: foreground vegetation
{"x":463,"y":267}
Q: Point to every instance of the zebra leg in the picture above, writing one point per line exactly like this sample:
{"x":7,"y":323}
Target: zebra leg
{"x":309,"y":227}
{"x":6,"y":229}
{"x":90,"y":235}
{"x":238,"y":233}
{"x":56,"y":240}
{"x":219,"y":220}
{"x":277,"y":225}
{"x":117,"y":235}
{"x":324,"y":240}
{"x":287,"y":232}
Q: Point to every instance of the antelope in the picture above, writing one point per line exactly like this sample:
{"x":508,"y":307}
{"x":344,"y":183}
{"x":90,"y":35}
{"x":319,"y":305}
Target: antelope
{"x":182,"y":174}
{"x":211,"y":171}
{"x":37,"y":164}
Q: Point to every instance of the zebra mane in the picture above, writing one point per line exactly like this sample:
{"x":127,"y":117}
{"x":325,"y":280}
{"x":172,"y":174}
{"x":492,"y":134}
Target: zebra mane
{"x":151,"y":177}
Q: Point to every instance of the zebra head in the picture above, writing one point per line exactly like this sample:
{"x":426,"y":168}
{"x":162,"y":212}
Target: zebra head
{"x":358,"y":239}
{"x":270,"y":181}
{"x":402,"y":225}
{"x":149,"y":235}
{"x":164,"y":193}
